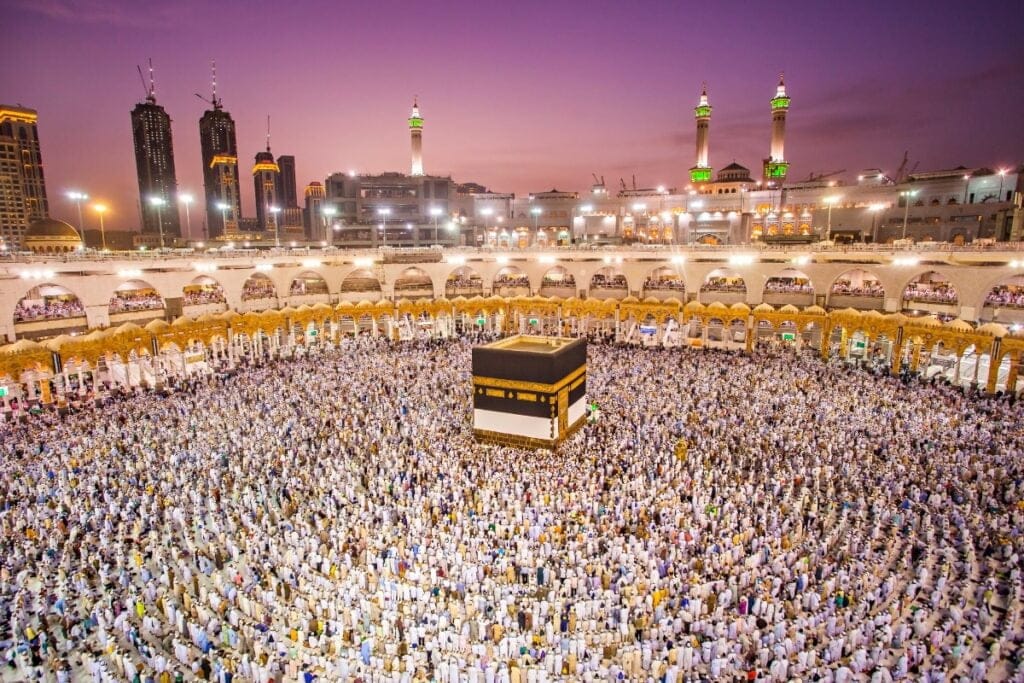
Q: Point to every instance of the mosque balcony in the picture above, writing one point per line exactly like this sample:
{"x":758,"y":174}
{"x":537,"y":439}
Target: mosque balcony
{"x":860,"y":303}
{"x":138,"y":317}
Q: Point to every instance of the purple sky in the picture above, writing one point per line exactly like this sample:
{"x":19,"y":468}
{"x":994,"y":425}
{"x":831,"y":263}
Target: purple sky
{"x":520,"y":96}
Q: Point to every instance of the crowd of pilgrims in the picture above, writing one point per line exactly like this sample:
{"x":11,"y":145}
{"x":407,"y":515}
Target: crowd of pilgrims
{"x":48,"y":308}
{"x":726,"y":517}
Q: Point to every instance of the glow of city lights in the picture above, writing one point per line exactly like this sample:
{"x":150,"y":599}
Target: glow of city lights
{"x":536,"y":211}
{"x":36,"y":274}
{"x":157,"y":201}
{"x":222,"y":206}
{"x":436,"y":211}
{"x":185,"y":198}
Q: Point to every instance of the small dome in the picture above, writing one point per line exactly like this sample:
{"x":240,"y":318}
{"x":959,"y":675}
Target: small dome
{"x":49,"y":235}
{"x":51,"y":227}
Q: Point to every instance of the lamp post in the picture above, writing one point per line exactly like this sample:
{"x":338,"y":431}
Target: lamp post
{"x":158,"y":204}
{"x":536,"y":211}
{"x":383,"y":213}
{"x":874,"y":209}
{"x":435,"y":212}
{"x":828,"y":223}
{"x":223,"y":206}
{"x":274,"y":211}
{"x":79,"y":197}
{"x":101,"y":209}
{"x":328,"y":212}
{"x":1002,"y":177}
{"x":187,"y":199}
{"x":907,"y":195}
{"x":967,"y":183}
{"x":487,"y":213}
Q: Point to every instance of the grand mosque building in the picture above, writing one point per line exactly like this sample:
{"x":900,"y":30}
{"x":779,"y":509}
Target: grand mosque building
{"x":920,"y":272}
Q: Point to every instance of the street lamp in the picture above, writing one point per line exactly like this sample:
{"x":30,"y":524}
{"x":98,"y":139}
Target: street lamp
{"x":906,"y":194}
{"x":274,"y":211}
{"x":436,"y":212}
{"x":383,"y":212}
{"x":187,"y":199}
{"x":79,"y":197}
{"x":223,"y":206}
{"x":874,"y":209}
{"x":328,"y":212}
{"x":536,"y":211}
{"x":101,"y":209}
{"x":1002,"y":177}
{"x":828,"y":227}
{"x":158,"y":204}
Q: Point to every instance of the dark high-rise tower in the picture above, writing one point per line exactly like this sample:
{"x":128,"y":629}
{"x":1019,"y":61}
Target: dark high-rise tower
{"x":289,"y":192}
{"x":220,"y":168}
{"x":154,"y":161}
{"x":267,"y":177}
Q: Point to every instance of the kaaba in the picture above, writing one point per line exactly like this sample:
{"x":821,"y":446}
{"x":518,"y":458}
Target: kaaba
{"x":529,"y":391}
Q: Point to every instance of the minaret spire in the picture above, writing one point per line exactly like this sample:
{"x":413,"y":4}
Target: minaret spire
{"x":268,"y":132}
{"x":416,"y":137}
{"x":701,"y":172}
{"x":776,"y":166}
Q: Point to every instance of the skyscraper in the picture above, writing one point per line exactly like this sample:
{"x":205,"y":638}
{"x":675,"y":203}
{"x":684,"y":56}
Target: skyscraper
{"x":289,"y":191}
{"x":22,"y":185}
{"x":154,"y":161}
{"x":416,"y":133}
{"x":266,"y":176}
{"x":220,"y":168}
{"x":776,"y":166}
{"x":701,"y":172}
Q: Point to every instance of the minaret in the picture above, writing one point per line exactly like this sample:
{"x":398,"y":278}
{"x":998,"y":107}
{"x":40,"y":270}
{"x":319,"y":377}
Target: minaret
{"x":701,"y":173}
{"x":416,"y":132}
{"x":775,"y":166}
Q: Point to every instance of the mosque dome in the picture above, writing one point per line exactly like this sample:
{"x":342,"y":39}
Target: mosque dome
{"x":49,"y":235}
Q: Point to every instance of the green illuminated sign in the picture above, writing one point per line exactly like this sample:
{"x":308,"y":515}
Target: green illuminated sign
{"x":701,"y":112}
{"x":776,"y":169}
{"x":788,"y":336}
{"x":780,"y":103}
{"x":415,"y":123}
{"x":700,"y":175}
{"x":481,"y":321}
{"x":3,"y":391}
{"x":533,"y":321}
{"x":313,"y":333}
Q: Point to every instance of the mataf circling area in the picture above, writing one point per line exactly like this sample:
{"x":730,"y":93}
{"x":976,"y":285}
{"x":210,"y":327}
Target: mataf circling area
{"x":725,"y":517}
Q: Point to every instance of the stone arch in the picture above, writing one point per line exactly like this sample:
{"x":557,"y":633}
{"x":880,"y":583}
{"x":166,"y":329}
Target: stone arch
{"x":788,"y":286}
{"x":258,"y":286}
{"x":663,"y":281}
{"x":723,"y":281}
{"x":201,"y":290}
{"x":135,"y":296}
{"x":511,"y":281}
{"x":557,"y":281}
{"x":308,"y":283}
{"x":857,"y":288}
{"x":48,"y":301}
{"x":611,"y":279}
{"x":414,"y":283}
{"x":929,"y":287}
{"x":463,"y":281}
{"x":360,"y":283}
{"x":1005,"y":295}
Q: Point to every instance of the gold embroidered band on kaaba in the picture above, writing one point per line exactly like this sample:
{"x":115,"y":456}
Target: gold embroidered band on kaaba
{"x":530,"y":386}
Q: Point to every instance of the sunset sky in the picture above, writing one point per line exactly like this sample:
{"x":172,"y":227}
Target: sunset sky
{"x":520,"y":96}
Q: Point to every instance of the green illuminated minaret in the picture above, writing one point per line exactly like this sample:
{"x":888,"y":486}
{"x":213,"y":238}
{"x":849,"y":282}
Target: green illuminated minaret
{"x":701,"y":173}
{"x":775,"y":166}
{"x":416,"y":131}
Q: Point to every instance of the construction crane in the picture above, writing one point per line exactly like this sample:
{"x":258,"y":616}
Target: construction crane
{"x":900,"y":175}
{"x":150,"y":89}
{"x":213,"y":101}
